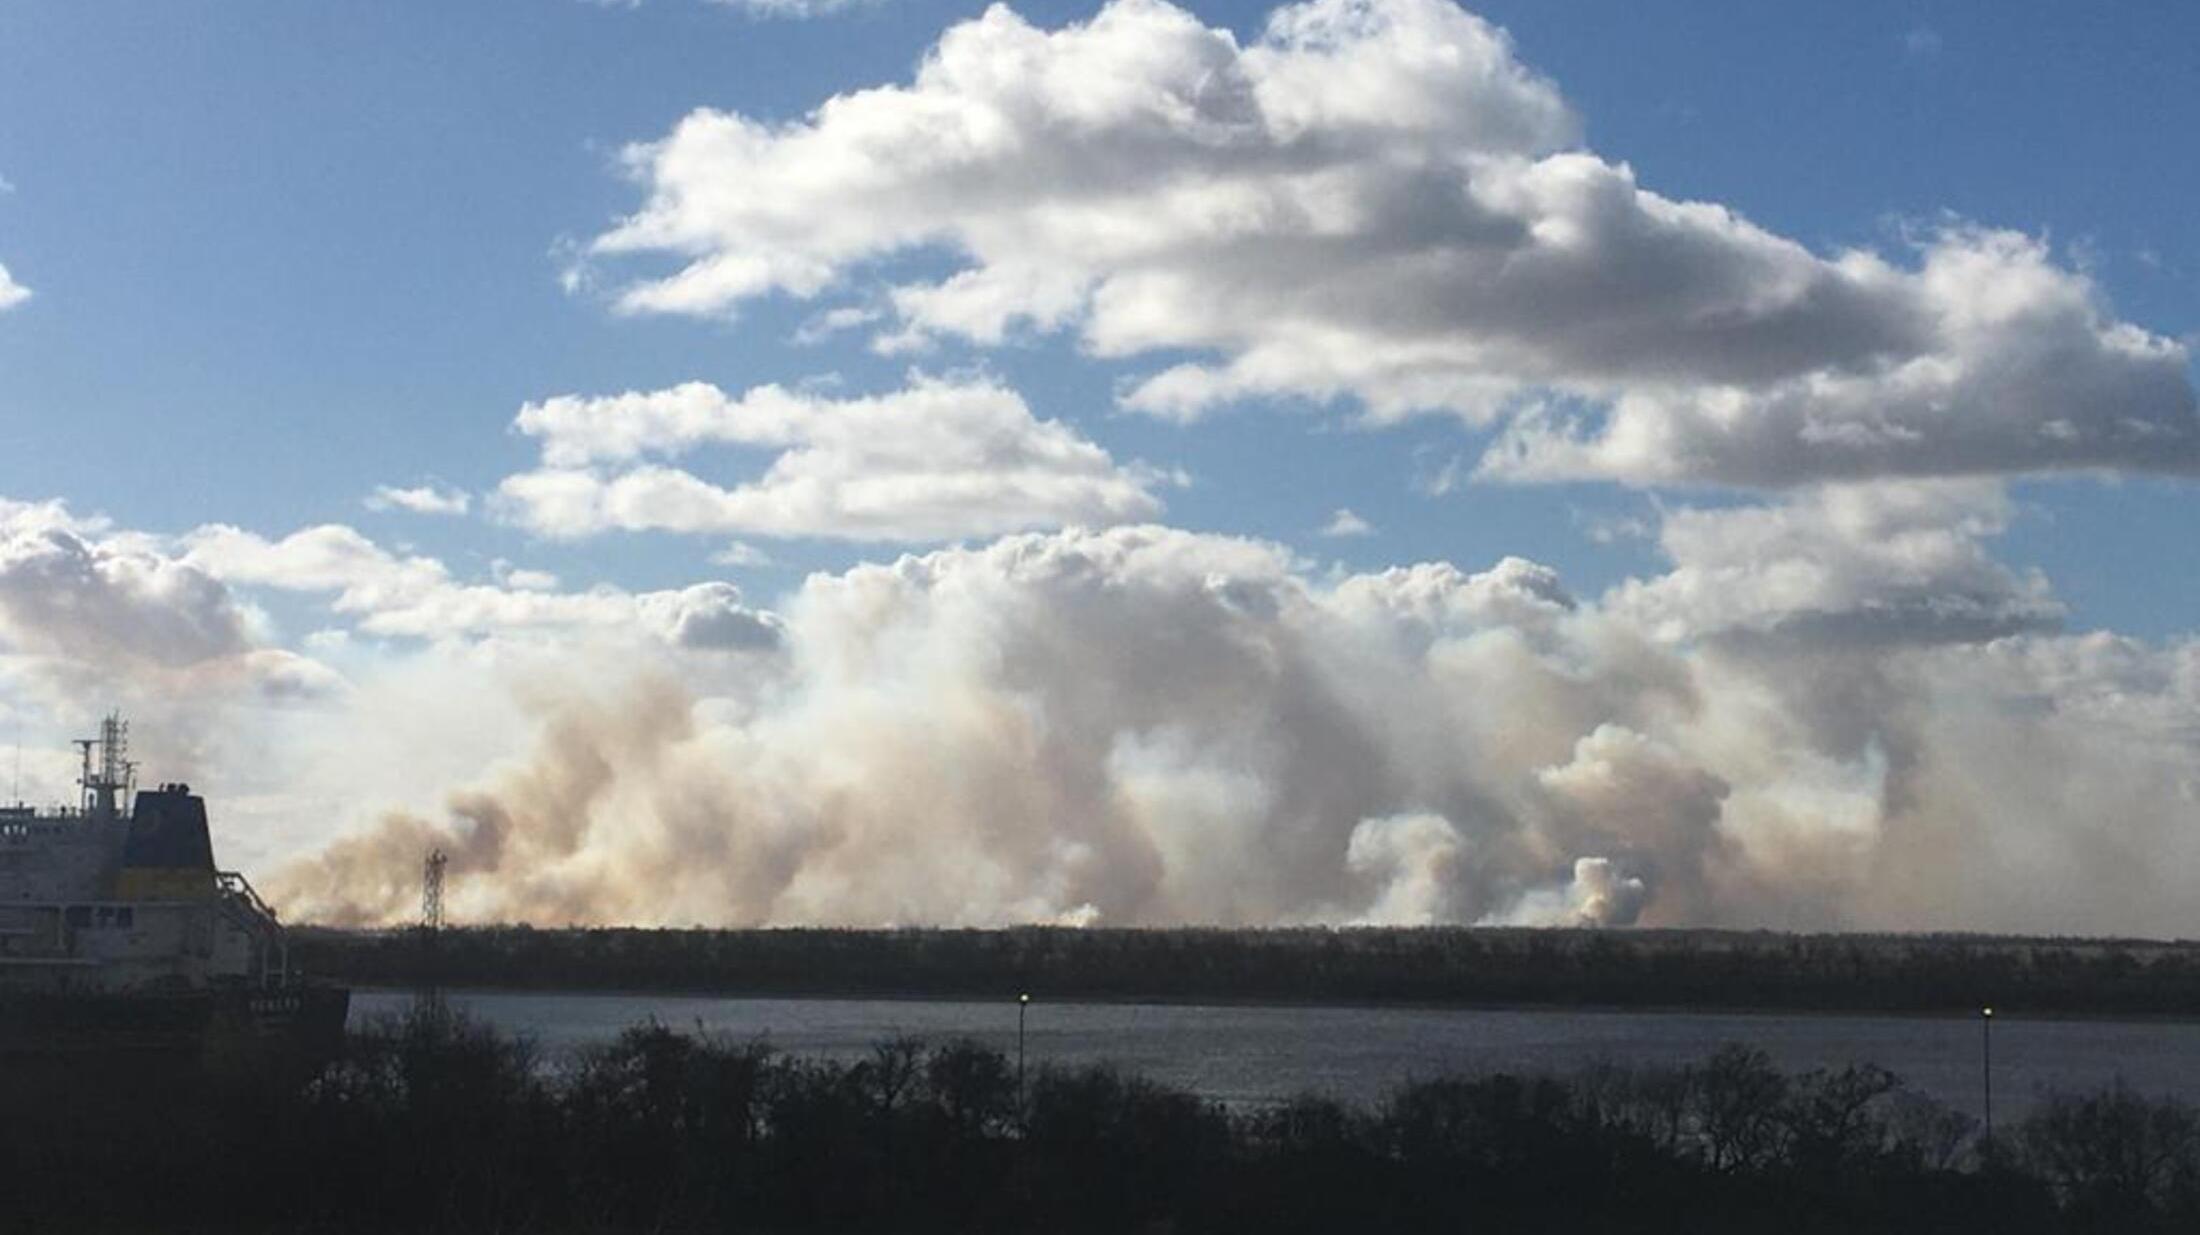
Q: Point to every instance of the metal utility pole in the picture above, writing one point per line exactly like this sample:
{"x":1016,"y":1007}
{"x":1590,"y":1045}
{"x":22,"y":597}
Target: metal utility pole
{"x":1986,"y":1044}
{"x":1023,"y":1004}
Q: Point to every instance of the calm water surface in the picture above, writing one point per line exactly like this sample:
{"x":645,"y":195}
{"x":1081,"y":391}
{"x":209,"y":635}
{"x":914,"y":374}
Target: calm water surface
{"x":1261,"y":1054}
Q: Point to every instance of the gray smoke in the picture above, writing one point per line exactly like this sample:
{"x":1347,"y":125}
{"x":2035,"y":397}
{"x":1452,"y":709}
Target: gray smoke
{"x":1833,"y":710}
{"x":1147,"y":726}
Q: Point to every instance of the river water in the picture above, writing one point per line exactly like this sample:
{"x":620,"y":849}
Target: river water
{"x":1248,"y":1054}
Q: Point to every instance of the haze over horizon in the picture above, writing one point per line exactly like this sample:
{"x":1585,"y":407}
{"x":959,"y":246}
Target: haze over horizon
{"x":796,"y":461}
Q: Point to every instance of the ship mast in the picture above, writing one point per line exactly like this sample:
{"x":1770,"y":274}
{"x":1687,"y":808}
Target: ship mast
{"x":107,"y":787}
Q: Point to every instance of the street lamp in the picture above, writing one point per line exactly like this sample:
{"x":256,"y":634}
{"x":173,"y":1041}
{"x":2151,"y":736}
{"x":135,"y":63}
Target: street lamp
{"x":1023,"y":1003}
{"x":1986,"y":1043}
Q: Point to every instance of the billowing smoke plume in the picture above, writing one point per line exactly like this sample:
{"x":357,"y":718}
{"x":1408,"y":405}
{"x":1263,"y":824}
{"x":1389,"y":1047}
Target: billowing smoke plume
{"x":1153,"y":726}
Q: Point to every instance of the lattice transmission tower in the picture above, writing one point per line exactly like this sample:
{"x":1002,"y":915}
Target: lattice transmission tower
{"x":431,"y":890}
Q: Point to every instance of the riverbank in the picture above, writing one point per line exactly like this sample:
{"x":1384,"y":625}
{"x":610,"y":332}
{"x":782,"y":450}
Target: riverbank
{"x":1260,"y":1054}
{"x":1433,"y":967}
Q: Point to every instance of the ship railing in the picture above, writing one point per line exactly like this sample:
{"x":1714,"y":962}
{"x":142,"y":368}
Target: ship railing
{"x":238,"y":890}
{"x":235,"y":884}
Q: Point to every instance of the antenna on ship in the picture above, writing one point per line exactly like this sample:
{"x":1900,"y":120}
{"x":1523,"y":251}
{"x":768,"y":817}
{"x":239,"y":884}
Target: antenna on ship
{"x":113,"y":776}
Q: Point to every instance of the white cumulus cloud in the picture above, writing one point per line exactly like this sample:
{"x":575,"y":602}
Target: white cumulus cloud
{"x":741,"y":553}
{"x":426,"y":499}
{"x":794,"y":9}
{"x":1375,"y":200}
{"x":1344,"y":524}
{"x":12,"y":293}
{"x":1878,"y":561}
{"x":93,"y":618}
{"x":938,"y":460}
{"x":386,"y":594}
{"x":70,"y":589}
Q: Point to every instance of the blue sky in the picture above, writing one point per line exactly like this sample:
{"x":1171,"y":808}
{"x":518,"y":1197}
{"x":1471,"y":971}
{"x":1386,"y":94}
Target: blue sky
{"x":284,"y":255}
{"x":1828,"y":368}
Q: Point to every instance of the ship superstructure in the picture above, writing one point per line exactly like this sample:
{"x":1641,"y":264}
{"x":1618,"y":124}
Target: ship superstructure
{"x":117,"y":903}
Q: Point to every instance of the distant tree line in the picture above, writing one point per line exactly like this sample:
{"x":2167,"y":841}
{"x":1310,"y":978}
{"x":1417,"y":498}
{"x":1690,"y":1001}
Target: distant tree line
{"x":435,"y":1123}
{"x":1462,"y":966}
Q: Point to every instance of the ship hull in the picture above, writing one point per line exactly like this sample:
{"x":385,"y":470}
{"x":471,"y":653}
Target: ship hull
{"x":304,"y":1022}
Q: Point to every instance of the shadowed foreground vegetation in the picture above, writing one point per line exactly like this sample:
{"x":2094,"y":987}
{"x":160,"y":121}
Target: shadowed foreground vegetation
{"x":436,"y":1123}
{"x":1442,"y":965}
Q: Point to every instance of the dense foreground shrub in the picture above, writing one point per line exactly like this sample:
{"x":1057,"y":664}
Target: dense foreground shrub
{"x":436,"y":1123}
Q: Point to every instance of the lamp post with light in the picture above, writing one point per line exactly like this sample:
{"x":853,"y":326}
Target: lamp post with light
{"x":1023,"y":1004}
{"x":1986,"y":1054}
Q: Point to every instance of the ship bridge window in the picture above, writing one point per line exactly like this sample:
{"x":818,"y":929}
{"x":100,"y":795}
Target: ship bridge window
{"x":104,"y":917}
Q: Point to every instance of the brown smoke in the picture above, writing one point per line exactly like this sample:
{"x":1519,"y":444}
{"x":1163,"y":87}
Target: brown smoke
{"x":1145,"y":726}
